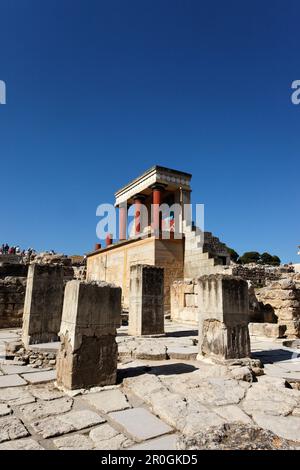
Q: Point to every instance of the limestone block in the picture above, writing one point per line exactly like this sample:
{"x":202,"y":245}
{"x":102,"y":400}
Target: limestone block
{"x":88,"y":351}
{"x":223,"y":316}
{"x":146,"y":300}
{"x":43,"y":304}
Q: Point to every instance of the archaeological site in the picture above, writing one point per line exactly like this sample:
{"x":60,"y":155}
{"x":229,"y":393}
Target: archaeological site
{"x":154,"y":340}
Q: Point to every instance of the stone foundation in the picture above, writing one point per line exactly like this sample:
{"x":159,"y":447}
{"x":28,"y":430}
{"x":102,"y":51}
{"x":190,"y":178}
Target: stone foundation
{"x":282,"y":298}
{"x":146,"y":300}
{"x":88,"y":352}
{"x":223,"y":317}
{"x":43,"y":304}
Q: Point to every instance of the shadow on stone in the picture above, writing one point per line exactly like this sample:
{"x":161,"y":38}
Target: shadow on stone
{"x":166,"y":369}
{"x":274,"y":355}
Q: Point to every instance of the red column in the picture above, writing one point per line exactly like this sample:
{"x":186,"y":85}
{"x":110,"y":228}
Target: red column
{"x":122,"y":222}
{"x":97,"y":246}
{"x":137,"y":215}
{"x":156,"y":201}
{"x":108,"y":239}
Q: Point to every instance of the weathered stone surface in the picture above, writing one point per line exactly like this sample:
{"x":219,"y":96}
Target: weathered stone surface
{"x":88,"y":353}
{"x":74,"y":442}
{"x":233,"y":437}
{"x":41,"y":409}
{"x":46,"y":392}
{"x":242,"y":373}
{"x":13,"y":380}
{"x":140,"y":424}
{"x":270,"y":396}
{"x":270,"y":330}
{"x":5,"y":409}
{"x":108,"y":400}
{"x":16,"y":396}
{"x":21,"y":444}
{"x":43,"y":304}
{"x":62,"y":424}
{"x":11,"y":369}
{"x":167,"y":442}
{"x":12,"y":294}
{"x":287,"y":427}
{"x":40,"y":377}
{"x":223,"y":316}
{"x":11,"y":428}
{"x":232,"y":413}
{"x":106,"y":437}
{"x":146,"y":300}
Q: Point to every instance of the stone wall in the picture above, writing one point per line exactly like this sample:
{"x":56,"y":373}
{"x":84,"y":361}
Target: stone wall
{"x":260,"y":275}
{"x":12,"y":294}
{"x":184,"y":302}
{"x":282,"y":298}
{"x":113,"y":264}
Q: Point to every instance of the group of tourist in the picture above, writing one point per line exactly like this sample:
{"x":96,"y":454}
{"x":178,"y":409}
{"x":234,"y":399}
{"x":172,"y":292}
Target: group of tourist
{"x":5,"y":249}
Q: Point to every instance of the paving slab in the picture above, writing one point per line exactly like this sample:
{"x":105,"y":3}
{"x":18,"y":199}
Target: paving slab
{"x":12,"y":369}
{"x":39,"y":377}
{"x":42,"y":409}
{"x":46,"y":392}
{"x":74,"y":442}
{"x":21,"y":444}
{"x":11,"y":428}
{"x":167,"y":442}
{"x":108,"y":400}
{"x":140,"y":423}
{"x":68,"y":422}
{"x":16,"y":396}
{"x":13,"y":380}
{"x":105,"y":437}
{"x":5,"y":409}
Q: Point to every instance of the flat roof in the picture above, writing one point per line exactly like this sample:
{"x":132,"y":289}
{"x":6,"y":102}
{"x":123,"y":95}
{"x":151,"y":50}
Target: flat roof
{"x":156,"y":168}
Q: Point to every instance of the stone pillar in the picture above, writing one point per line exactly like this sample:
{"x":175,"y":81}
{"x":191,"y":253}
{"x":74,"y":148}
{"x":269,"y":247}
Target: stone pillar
{"x":156,"y":202}
{"x":223,"y":316}
{"x":88,"y":353}
{"x":122,"y":221}
{"x":43,"y":304}
{"x":146,"y":300}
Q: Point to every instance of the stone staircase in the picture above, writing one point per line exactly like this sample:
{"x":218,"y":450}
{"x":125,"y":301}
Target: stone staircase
{"x":204,"y":253}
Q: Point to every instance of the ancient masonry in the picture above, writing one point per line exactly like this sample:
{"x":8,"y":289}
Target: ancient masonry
{"x":88,"y":353}
{"x":223,"y":316}
{"x":146,"y":301}
{"x":43,"y":304}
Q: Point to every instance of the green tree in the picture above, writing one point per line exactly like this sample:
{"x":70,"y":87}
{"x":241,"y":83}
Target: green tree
{"x":234,"y":256}
{"x":273,"y":260}
{"x":250,"y":257}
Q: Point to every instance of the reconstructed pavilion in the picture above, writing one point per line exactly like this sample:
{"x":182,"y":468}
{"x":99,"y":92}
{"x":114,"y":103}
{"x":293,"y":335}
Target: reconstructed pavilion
{"x":174,"y":245}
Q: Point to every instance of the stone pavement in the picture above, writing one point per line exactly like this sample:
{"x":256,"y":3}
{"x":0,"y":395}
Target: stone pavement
{"x":156,"y":402}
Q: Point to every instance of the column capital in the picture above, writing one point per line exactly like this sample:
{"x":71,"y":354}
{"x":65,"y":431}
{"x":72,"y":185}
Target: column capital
{"x":139,"y":197}
{"x":158,"y":186}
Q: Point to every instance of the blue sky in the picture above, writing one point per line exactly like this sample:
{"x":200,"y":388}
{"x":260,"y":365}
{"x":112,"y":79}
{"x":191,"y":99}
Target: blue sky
{"x":99,"y":91}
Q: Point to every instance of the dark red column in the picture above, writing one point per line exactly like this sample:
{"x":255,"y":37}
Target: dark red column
{"x":122,"y":222}
{"x":97,"y":246}
{"x":156,"y":201}
{"x":138,"y":201}
{"x":108,"y":239}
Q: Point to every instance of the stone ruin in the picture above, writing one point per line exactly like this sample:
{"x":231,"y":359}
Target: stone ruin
{"x":146,"y":302}
{"x":223,"y":317}
{"x":88,"y":353}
